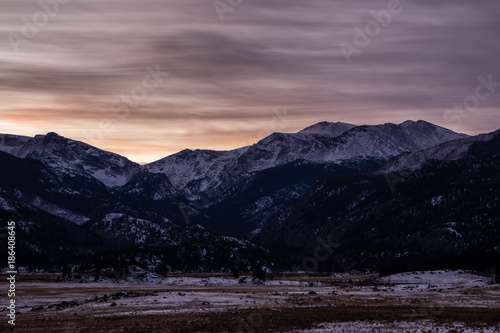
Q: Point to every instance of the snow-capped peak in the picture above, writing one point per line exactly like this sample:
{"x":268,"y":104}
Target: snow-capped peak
{"x":77,"y":157}
{"x":324,"y":142}
{"x":328,"y":128}
{"x":188,"y":165}
{"x":448,"y":151}
{"x":202,"y":170}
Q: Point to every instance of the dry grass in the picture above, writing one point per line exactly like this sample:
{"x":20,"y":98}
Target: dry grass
{"x":244,"y":308}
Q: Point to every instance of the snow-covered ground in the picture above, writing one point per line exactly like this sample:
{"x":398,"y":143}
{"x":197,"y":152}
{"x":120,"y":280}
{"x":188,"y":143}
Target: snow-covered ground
{"x":408,"y":302}
{"x":423,"y":326}
{"x":436,"y":279}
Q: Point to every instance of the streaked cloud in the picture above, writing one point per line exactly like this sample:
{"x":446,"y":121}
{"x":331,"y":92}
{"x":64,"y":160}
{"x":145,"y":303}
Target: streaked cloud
{"x":227,"y":78}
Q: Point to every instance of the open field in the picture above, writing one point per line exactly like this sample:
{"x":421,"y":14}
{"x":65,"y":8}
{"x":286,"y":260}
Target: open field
{"x":422,"y":302}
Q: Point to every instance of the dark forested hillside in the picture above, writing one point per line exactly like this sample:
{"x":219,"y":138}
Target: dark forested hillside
{"x":443,"y":216}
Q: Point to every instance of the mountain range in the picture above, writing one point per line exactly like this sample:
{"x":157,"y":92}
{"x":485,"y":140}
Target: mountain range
{"x":195,"y":210}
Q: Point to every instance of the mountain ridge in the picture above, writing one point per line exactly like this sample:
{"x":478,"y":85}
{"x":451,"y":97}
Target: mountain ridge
{"x":345,"y":142}
{"x":49,"y":180}
{"x":72,"y":155}
{"x":201,"y":170}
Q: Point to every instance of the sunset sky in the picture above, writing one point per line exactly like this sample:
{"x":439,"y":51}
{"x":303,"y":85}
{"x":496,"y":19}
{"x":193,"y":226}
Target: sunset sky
{"x":268,"y":66}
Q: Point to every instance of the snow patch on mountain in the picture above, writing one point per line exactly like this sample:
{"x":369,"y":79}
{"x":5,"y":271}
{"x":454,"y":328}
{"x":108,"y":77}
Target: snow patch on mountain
{"x":361,"y":142}
{"x":65,"y":154}
{"x":193,"y":165}
{"x":59,"y":211}
{"x":136,"y":230}
{"x":207,"y":171}
{"x":448,"y":151}
{"x":11,"y":144}
{"x":5,"y":205}
{"x":202,"y":171}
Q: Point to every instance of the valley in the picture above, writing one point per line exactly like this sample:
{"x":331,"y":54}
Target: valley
{"x":433,"y":301}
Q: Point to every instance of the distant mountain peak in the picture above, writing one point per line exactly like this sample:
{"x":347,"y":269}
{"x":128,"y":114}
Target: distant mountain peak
{"x":48,"y":135}
{"x":447,"y":151}
{"x":328,"y":128}
{"x":324,"y":142}
{"x":78,"y":157}
{"x":408,"y":122}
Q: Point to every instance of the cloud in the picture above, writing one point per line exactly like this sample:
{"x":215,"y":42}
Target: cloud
{"x":226,"y":78}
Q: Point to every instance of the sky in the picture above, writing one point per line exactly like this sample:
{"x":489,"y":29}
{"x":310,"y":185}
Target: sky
{"x":149,"y":78}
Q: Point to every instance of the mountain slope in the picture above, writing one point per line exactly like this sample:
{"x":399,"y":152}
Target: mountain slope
{"x":80,"y":197}
{"x":447,"y":214}
{"x":72,"y":156}
{"x":240,"y":190}
{"x":252,"y":201}
{"x":197,"y":170}
{"x":321,"y":143}
{"x":163,"y":249}
{"x":266,"y":192}
{"x":67,"y":218}
{"x":380,"y":141}
{"x":448,"y":151}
